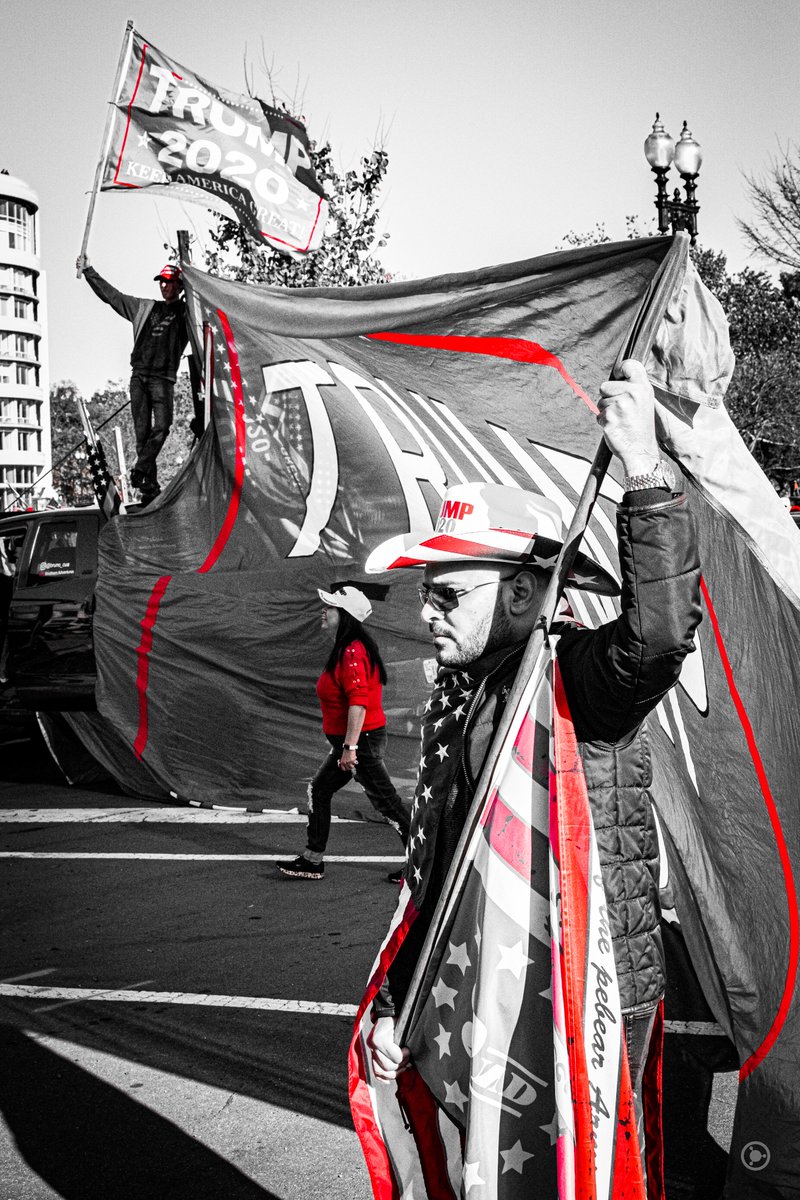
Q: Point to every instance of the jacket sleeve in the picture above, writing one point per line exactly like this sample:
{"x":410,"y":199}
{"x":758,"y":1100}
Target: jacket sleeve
{"x":353,"y":674}
{"x":615,"y":675}
{"x":126,"y":306}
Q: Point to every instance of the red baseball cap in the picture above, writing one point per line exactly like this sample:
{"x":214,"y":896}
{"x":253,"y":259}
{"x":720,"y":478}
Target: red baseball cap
{"x":170,"y":271}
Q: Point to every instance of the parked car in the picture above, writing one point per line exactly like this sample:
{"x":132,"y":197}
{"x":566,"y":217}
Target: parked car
{"x":49,"y":661}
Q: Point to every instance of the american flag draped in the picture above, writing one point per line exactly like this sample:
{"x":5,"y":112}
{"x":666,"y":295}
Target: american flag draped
{"x":519,"y":1083}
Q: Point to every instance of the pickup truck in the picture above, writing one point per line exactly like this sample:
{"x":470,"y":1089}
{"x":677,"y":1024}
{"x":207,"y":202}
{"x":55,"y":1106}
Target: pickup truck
{"x":48,"y":659}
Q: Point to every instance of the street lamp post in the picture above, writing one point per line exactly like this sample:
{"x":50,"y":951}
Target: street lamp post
{"x":661,"y":152}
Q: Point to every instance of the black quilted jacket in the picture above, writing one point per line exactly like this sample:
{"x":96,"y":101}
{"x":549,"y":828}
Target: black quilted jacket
{"x":613,"y":676}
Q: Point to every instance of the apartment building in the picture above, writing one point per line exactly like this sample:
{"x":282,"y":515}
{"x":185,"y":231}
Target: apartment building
{"x":25,"y":452}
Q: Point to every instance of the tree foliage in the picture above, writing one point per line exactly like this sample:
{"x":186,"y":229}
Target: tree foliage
{"x":107,"y":409}
{"x":764,"y":395}
{"x":774,"y":231}
{"x":347,"y":255}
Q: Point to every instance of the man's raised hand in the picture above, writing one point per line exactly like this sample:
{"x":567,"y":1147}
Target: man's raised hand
{"x":627,"y":418}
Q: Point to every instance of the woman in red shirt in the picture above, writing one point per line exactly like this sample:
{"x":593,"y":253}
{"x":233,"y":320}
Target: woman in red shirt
{"x":350,"y":695}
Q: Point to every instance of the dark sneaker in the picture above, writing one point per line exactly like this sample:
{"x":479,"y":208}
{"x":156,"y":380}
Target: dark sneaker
{"x":302,"y":868}
{"x":395,"y":876}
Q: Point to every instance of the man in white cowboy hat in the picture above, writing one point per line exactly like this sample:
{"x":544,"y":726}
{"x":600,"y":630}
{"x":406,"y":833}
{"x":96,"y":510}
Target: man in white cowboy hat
{"x":160,"y":335}
{"x":486,"y":566}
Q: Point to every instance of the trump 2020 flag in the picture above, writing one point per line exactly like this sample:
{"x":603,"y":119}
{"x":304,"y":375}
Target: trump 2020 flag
{"x":175,"y":133}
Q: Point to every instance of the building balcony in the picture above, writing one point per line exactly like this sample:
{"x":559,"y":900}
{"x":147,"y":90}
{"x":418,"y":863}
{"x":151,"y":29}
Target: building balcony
{"x":21,"y":391}
{"x":12,"y":457}
{"x":19,"y":258}
{"x":12,"y":324}
{"x":11,"y":289}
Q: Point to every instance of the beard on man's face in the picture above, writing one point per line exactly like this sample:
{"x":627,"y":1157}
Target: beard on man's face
{"x":459,"y":647}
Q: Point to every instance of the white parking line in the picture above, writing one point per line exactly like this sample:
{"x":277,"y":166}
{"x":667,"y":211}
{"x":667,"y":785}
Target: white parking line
{"x":331,"y":858}
{"x":202,"y":999}
{"x":189,"y":816}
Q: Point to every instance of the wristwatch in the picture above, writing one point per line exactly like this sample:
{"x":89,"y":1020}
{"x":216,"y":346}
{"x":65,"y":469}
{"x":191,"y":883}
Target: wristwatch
{"x":346,"y":747}
{"x":660,"y":477}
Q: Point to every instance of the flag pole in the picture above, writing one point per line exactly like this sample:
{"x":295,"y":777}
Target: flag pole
{"x":106,"y":143}
{"x":637,"y":345}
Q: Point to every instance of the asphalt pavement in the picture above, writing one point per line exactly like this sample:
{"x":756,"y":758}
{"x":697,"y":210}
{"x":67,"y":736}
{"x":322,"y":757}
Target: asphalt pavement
{"x":174,"y":1013}
{"x":177,"y":1025}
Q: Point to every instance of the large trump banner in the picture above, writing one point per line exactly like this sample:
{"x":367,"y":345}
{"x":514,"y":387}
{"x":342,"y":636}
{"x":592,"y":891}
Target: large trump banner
{"x":339,"y":417}
{"x":177,"y":134}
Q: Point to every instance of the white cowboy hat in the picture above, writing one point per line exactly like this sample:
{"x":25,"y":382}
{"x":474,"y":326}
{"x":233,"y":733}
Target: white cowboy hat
{"x":491,"y":523}
{"x":350,"y":599}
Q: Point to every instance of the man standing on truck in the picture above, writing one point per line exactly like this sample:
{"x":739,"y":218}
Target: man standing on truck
{"x":160,"y":335}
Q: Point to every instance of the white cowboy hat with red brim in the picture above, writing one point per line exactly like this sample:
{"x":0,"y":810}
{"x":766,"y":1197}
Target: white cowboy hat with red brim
{"x":489,"y":522}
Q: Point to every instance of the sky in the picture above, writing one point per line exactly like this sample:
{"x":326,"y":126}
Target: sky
{"x":507,"y":125}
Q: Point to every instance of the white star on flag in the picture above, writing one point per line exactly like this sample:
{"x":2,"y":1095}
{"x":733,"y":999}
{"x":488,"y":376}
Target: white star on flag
{"x":441,"y":750}
{"x":428,"y":704}
{"x":459,"y":712}
{"x":442,"y":994}
{"x":466,"y":695}
{"x":436,"y":724}
{"x":417,"y":875}
{"x":426,"y":793}
{"x":471,"y":1176}
{"x":421,"y":836}
{"x":513,"y":959}
{"x":454,"y":1095}
{"x":514,"y":1159}
{"x":445,"y":700}
{"x":458,"y":957}
{"x":144,"y":140}
{"x":442,"y":1040}
{"x":552,"y":1129}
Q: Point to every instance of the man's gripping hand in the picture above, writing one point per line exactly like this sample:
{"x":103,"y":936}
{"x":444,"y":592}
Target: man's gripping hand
{"x":388,"y":1059}
{"x":627,"y":418}
{"x":81,"y":263}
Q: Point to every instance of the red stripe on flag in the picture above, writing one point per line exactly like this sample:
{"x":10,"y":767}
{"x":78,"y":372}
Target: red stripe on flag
{"x":148,"y":624}
{"x":423,"y":1116}
{"x":516,"y":349}
{"x":523,"y":746}
{"x":239,"y":451}
{"x":145,"y":48}
{"x":509,"y":836}
{"x":761,"y":1052}
{"x":143,"y":655}
{"x":384,"y":1185}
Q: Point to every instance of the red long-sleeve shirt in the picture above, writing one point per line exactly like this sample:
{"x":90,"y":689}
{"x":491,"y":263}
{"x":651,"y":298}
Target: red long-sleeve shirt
{"x":354,"y":682}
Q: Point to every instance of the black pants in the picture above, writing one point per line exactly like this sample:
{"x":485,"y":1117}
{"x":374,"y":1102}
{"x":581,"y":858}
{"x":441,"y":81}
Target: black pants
{"x":371,"y":773}
{"x":151,"y":409}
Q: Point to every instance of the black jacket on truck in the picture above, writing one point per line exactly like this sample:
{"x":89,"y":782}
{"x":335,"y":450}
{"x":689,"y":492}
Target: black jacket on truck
{"x":613,"y":677}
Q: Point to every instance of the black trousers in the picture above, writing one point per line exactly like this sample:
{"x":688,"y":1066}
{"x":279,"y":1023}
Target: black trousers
{"x":151,"y":409}
{"x":371,"y":773}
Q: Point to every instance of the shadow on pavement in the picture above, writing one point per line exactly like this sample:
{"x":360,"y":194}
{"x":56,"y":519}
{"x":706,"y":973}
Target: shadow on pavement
{"x":89,"y":1141}
{"x":295,"y":1062}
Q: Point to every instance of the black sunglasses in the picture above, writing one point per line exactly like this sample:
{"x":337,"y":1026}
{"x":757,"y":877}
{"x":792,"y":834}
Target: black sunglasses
{"x":445,"y":598}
